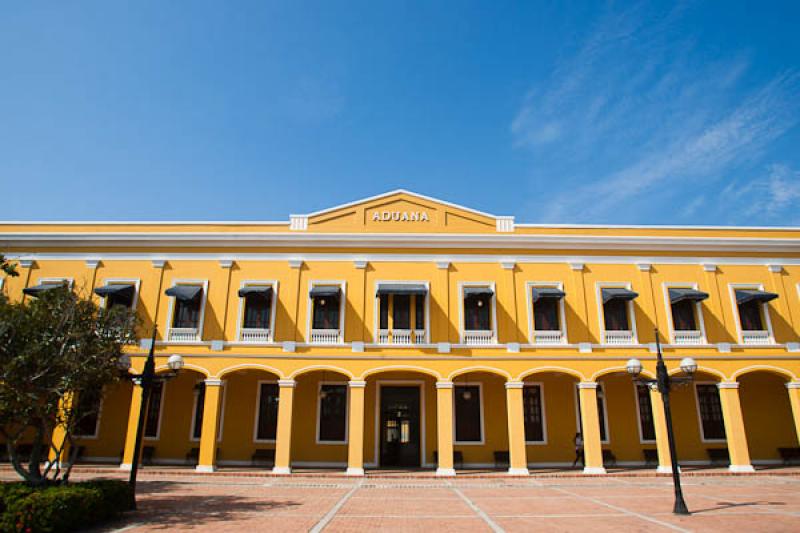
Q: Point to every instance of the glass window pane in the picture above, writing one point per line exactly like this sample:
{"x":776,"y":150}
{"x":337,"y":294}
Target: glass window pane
{"x":419,"y":312}
{"x":615,"y":315}
{"x":468,"y":413}
{"x":683,"y":316}
{"x":326,"y":312}
{"x":124,"y":300}
{"x":545,"y":315}
{"x":199,"y":406}
{"x":88,"y":414}
{"x":710,"y":411}
{"x":267,"y":412}
{"x":532,"y":412}
{"x":477,"y":313}
{"x":333,"y":413}
{"x":257,"y":309}
{"x":750,"y":316}
{"x":384,"y":311}
{"x":401,"y":311}
{"x":187,"y":314}
{"x":154,"y":410}
{"x":645,"y":412}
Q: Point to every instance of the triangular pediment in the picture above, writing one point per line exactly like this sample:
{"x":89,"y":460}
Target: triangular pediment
{"x":401,"y":212}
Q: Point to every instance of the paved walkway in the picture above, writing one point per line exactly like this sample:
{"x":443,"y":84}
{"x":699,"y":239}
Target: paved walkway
{"x":231,"y":501}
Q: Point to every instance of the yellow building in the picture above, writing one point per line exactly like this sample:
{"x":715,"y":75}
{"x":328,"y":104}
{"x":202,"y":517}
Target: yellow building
{"x":403,"y":331}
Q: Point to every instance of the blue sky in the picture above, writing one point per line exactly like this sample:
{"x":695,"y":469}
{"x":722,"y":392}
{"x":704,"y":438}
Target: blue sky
{"x":561,"y":112}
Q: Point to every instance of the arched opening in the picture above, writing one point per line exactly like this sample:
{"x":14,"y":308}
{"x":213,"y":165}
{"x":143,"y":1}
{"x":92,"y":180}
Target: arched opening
{"x":320,"y":420}
{"x":248,"y":418}
{"x":767,"y":413}
{"x":400,"y":420}
{"x":698,"y":423}
{"x":550,"y":412}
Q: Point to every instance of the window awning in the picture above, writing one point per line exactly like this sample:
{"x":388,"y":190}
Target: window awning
{"x":116,"y":289}
{"x":185,"y":293}
{"x":264,"y":291}
{"x":691,"y":295}
{"x":42,"y":287}
{"x":325,"y":290}
{"x":547,"y":292}
{"x":418,"y":289}
{"x":477,"y":291}
{"x":618,"y":294}
{"x":753,"y":295}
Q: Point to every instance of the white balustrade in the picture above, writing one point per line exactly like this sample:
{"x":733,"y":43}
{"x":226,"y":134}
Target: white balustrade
{"x":548,"y":337}
{"x":756,"y":337}
{"x":419,"y":336}
{"x":325,"y":336}
{"x":255,"y":335}
{"x":182,"y":334}
{"x":401,"y":336}
{"x":688,"y":337}
{"x":478,"y":337}
{"x":619,"y":337}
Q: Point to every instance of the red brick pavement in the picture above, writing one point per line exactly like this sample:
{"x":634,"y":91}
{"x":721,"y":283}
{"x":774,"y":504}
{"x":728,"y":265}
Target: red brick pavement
{"x":171,"y":499}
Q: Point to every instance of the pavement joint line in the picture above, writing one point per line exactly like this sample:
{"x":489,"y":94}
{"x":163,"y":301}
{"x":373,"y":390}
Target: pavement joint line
{"x":627,"y":511}
{"x":127,"y":528}
{"x":325,"y":520}
{"x":491,"y":523}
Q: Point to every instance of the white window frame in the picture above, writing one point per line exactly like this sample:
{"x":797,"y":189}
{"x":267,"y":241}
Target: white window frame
{"x":642,"y":440}
{"x":346,"y":413}
{"x":462,"y":315}
{"x":258,"y":410}
{"x":122,"y":281}
{"x":273,"y":305}
{"x":377,"y":308}
{"x":342,"y":307}
{"x":539,"y":384}
{"x":160,"y":416}
{"x":479,"y":384}
{"x":601,"y":314}
{"x":200,"y":322}
{"x":529,"y":286}
{"x":700,"y":419}
{"x":604,"y":399}
{"x":698,"y":310}
{"x":196,"y":395}
{"x":96,"y":433}
{"x":732,"y":287}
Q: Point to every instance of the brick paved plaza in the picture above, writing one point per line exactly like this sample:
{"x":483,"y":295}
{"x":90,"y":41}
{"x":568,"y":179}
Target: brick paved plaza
{"x":240,"y":501}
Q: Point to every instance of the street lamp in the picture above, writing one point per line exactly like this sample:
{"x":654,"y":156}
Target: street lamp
{"x":663,"y":384}
{"x":146,"y":380}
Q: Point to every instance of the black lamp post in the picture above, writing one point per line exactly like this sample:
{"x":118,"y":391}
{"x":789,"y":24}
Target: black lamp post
{"x":145,"y":380}
{"x":663,"y":384}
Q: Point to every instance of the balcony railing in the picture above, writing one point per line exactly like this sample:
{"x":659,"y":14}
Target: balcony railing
{"x":401,"y":336}
{"x":182,"y":334}
{"x":619,"y":337}
{"x":478,"y":337}
{"x":756,"y":337}
{"x":325,"y":336}
{"x":687,"y":337}
{"x":548,"y":337}
{"x":254,"y":335}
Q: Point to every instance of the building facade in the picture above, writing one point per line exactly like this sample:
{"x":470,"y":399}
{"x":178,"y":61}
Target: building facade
{"x":402,"y":331}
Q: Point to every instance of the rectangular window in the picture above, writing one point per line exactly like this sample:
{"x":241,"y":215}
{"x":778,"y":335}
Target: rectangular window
{"x":326,"y":312}
{"x":88,"y":413}
{"x":383,"y":301}
{"x":401,"y":311}
{"x":710,"y":411}
{"x":419,"y":312}
{"x":333,"y":413}
{"x":683,"y":316}
{"x":187,"y":312}
{"x":267,"y":424}
{"x":154,"y":410}
{"x":123,"y":298}
{"x":477,"y":312}
{"x":199,"y":406}
{"x":533,"y":413}
{"x":645,"y":412}
{"x":615,"y":315}
{"x":545,"y":314}
{"x":257,"y":310}
{"x":750,"y":316}
{"x":601,"y":411}
{"x":468,"y":413}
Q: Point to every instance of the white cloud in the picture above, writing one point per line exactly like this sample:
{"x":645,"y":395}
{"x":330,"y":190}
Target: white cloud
{"x":773,"y":198}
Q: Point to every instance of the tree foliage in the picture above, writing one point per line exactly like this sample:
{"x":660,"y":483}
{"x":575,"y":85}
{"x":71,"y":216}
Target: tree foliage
{"x":9,"y":268}
{"x":53,"y":349}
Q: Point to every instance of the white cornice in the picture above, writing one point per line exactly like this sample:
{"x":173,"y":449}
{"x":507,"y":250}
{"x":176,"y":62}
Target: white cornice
{"x":398,"y":240}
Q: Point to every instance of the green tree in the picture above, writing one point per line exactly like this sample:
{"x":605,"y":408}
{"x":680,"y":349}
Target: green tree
{"x":53,"y":349}
{"x":8,"y":267}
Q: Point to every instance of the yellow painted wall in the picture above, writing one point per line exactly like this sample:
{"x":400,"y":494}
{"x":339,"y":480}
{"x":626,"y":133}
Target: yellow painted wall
{"x":560,"y":418}
{"x":767,"y":415}
{"x":113,"y":421}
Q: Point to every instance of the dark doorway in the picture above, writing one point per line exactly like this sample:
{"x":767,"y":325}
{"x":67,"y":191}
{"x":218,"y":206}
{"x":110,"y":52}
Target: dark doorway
{"x":400,"y":426}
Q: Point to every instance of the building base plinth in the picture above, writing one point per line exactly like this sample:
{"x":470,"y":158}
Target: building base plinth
{"x":445,"y":472}
{"x":741,"y":469}
{"x":665,"y":470}
{"x":281,"y":470}
{"x":593,"y":470}
{"x":207,"y":469}
{"x":518,"y":472}
{"x":354,"y":471}
{"x":126,"y":466}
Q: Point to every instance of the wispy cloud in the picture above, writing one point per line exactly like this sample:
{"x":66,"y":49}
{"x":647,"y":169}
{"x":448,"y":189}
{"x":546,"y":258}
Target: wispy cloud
{"x":772,"y":198}
{"x":635,"y":116}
